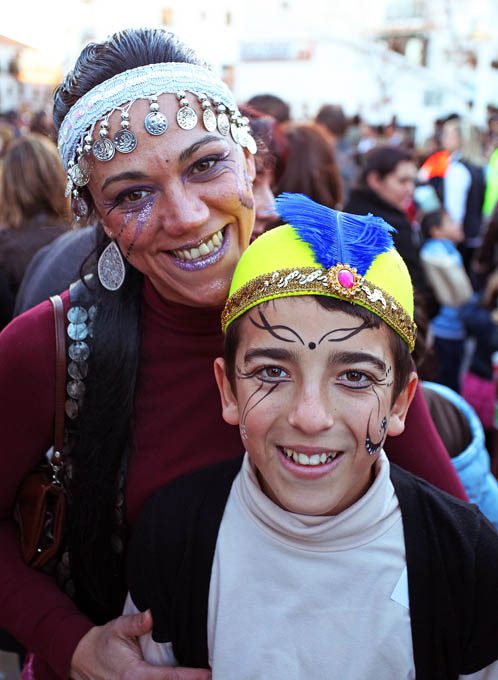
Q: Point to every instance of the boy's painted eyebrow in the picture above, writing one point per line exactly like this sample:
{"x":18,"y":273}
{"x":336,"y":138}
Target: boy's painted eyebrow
{"x":357,"y":357}
{"x":277,"y":353}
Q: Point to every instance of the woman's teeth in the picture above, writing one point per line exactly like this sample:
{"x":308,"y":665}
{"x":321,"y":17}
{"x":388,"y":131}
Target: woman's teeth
{"x":207,"y":247}
{"x":315,"y":459}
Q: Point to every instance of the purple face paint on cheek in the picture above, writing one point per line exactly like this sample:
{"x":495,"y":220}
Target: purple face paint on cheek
{"x":126,"y":219}
{"x":142,"y":219}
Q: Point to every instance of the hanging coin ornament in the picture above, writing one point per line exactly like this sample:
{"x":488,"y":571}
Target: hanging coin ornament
{"x":125,"y":140}
{"x":79,"y":177}
{"x":155,"y":122}
{"x":234,"y":130}
{"x":78,"y":351}
{"x":223,"y":122}
{"x":77,"y":314}
{"x":103,"y":148}
{"x":86,"y":164}
{"x":186,"y":116}
{"x":208,"y":116}
{"x":209,"y":119}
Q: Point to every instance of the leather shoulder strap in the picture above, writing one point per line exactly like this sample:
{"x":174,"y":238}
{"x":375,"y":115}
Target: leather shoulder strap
{"x":60,"y":374}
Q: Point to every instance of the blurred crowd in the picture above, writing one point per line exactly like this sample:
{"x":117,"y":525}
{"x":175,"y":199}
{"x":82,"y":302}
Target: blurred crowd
{"x":441,"y":198}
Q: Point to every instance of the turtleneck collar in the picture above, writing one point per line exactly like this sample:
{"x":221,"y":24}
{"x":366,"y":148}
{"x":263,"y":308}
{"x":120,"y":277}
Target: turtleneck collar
{"x":180,"y":318}
{"x":367,"y":519}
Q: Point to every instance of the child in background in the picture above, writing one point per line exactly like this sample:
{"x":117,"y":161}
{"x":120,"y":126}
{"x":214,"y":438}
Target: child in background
{"x":313,"y":557}
{"x":444,"y":268}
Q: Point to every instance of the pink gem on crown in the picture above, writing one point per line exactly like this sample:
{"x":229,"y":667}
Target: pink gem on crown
{"x":346,"y":278}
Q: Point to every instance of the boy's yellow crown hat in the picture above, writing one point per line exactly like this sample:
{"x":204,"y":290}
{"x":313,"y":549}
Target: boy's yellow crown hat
{"x":325,"y":252}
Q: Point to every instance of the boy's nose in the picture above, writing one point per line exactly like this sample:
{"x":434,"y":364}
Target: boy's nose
{"x":311,"y":413}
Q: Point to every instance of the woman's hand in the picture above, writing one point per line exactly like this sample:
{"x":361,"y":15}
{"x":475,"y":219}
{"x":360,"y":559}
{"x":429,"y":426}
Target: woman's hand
{"x":112,"y":652}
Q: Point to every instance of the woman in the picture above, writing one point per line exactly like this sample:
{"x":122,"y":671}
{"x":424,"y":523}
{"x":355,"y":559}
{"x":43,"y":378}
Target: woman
{"x":33,"y":210}
{"x":464,"y":183}
{"x":180,"y":208}
{"x":385,"y":188}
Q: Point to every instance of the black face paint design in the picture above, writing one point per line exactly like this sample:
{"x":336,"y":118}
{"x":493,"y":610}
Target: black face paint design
{"x":265,"y":325}
{"x":373,"y":447}
{"x":347,"y":333}
{"x":246,"y":410}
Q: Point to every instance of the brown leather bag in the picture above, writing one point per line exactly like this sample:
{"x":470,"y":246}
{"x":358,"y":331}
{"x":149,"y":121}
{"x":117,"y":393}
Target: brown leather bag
{"x":41,"y":500}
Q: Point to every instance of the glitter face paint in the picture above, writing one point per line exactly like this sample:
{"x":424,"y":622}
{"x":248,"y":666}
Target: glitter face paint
{"x":142,"y":219}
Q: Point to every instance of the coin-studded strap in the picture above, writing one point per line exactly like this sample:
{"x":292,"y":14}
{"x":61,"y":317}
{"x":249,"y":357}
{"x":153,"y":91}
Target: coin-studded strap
{"x":60,"y":372}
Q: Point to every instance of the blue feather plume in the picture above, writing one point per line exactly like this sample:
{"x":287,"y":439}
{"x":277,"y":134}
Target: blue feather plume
{"x":335,"y":236}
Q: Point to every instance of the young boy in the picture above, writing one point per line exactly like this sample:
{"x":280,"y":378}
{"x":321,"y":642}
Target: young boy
{"x":312,"y":557}
{"x":443,"y":265}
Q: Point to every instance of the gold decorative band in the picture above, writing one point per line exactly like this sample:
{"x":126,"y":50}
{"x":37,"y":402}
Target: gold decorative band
{"x":319,"y":281}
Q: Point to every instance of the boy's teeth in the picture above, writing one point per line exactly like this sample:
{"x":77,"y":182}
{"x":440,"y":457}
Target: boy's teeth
{"x":315,"y":459}
{"x":208,"y":247}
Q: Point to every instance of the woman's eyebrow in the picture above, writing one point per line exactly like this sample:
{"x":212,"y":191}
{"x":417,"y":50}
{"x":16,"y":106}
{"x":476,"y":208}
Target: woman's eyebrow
{"x":356,"y":358}
{"x":129,"y":174}
{"x":189,"y":151}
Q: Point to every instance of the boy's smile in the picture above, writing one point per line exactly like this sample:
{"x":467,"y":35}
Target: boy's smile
{"x":313,"y":401}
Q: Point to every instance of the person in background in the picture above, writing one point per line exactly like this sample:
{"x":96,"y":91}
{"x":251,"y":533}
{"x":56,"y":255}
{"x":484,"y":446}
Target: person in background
{"x":442,"y":235}
{"x":464,"y":184}
{"x":311,"y":166}
{"x":272,"y":105}
{"x":269,"y":141}
{"x":385,"y":188}
{"x":333,"y":119}
{"x":33,"y":208}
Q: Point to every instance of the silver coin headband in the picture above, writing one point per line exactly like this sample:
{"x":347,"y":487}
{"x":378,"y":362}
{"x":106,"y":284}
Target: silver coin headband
{"x":78,"y":150}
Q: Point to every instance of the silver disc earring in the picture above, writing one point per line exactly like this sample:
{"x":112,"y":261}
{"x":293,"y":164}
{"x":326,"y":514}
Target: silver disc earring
{"x":111,"y":269}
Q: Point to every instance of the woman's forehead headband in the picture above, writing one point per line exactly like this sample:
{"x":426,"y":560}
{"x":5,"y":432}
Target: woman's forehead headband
{"x":77,"y":149}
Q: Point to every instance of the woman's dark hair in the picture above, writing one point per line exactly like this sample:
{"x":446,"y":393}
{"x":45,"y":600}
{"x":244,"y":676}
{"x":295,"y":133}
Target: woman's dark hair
{"x":430,"y":220}
{"x":311,"y":166}
{"x":402,"y":359}
{"x":102,"y":433}
{"x":383,"y":160}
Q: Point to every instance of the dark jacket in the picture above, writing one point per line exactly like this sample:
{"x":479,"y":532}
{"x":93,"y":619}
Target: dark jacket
{"x":363,"y":201}
{"x":451,"y":550}
{"x":17,"y":247}
{"x":55,"y":267}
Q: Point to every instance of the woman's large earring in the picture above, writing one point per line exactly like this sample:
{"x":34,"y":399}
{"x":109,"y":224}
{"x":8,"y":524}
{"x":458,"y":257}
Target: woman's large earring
{"x":111,"y":267}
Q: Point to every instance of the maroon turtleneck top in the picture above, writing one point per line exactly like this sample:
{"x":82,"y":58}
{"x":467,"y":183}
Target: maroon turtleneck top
{"x":178,"y":428}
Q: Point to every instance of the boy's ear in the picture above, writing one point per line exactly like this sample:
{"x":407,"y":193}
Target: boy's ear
{"x":229,"y":403}
{"x":400,"y":407}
